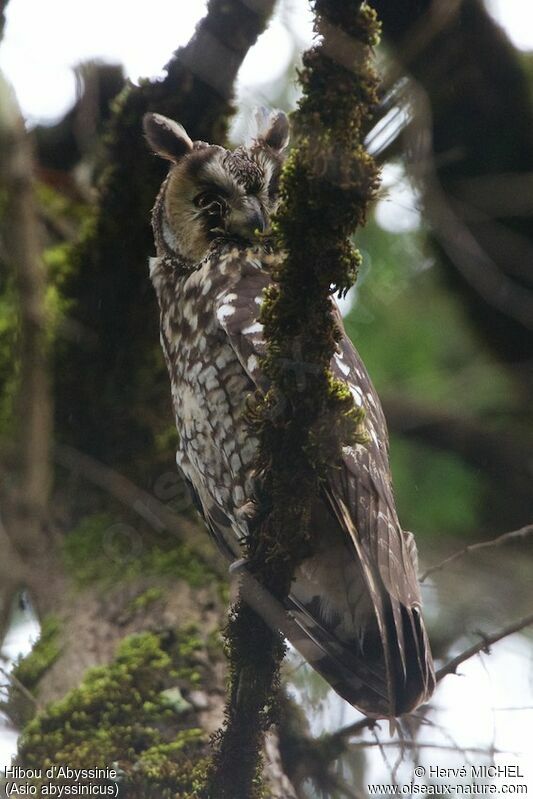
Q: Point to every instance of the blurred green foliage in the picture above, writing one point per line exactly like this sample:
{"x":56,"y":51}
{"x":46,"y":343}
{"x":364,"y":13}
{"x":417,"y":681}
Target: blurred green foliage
{"x":8,"y":364}
{"x":437,"y":492}
{"x":61,"y":217}
{"x":412,"y":333}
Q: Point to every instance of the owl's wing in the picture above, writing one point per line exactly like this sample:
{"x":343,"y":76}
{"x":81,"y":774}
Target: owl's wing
{"x":361,"y":496}
{"x":357,"y":602}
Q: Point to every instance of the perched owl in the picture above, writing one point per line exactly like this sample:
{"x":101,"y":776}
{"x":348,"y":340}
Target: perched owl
{"x":355,"y":600}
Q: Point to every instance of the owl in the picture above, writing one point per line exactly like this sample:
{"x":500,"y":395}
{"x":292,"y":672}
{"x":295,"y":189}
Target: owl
{"x":355,"y":599}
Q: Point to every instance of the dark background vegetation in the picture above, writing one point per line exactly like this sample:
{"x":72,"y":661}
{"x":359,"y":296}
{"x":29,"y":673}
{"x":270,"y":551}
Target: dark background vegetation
{"x":95,"y":529}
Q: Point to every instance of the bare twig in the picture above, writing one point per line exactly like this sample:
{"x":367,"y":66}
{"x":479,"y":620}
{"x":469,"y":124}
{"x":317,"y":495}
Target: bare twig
{"x":2,"y":17}
{"x":346,"y":789}
{"x":505,"y":538}
{"x":450,"y":668}
{"x":354,"y":729}
{"x":379,"y":744}
{"x":477,"y":750}
{"x":483,"y":645}
{"x":19,"y":686}
{"x":442,"y":729}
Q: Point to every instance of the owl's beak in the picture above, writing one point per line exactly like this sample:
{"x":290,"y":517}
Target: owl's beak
{"x":247,"y":218}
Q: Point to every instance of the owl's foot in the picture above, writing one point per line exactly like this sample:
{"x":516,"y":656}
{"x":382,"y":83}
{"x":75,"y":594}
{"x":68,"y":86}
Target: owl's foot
{"x":238,"y":566}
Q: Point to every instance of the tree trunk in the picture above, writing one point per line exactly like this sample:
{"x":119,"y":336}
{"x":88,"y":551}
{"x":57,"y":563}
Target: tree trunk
{"x":129,"y":670}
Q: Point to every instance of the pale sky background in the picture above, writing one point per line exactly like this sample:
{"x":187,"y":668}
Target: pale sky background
{"x":44,"y":40}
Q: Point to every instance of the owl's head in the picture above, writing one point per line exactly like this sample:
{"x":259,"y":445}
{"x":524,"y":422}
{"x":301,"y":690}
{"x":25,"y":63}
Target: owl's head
{"x":212,"y":192}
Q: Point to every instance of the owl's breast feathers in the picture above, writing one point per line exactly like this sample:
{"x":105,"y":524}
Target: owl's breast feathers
{"x":356,"y":601}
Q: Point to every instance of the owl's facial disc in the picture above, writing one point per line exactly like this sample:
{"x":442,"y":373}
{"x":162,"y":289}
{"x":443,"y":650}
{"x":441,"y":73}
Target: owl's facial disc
{"x":215,"y":193}
{"x":232,"y":200}
{"x":236,"y":216}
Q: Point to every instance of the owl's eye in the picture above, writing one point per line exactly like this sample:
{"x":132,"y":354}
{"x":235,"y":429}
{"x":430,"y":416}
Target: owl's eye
{"x":254,"y":188}
{"x":206,"y":198}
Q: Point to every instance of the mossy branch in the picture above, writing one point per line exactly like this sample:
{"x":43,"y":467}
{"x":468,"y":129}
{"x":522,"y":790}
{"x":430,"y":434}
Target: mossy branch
{"x":129,"y":716}
{"x":111,"y":302}
{"x":327,"y":185}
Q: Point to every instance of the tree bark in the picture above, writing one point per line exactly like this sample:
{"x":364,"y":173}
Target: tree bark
{"x":113,"y":566}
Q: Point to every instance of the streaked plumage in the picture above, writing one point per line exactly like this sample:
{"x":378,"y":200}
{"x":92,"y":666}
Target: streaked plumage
{"x":356,"y":601}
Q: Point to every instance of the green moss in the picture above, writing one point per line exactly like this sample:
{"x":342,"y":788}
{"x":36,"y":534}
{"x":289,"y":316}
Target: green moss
{"x":167,"y":440}
{"x":30,"y":669}
{"x":58,"y":207}
{"x":61,"y":212}
{"x":45,"y":652}
{"x":57,"y":262}
{"x":146,"y":599}
{"x":164,"y":765}
{"x":8,"y":364}
{"x":120,"y":715}
{"x":100,"y":550}
{"x":326,"y":187}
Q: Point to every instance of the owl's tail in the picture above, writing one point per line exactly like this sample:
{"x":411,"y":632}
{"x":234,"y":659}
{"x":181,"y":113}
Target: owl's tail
{"x":361,"y":631}
{"x":369,"y":671}
{"x":358,"y":618}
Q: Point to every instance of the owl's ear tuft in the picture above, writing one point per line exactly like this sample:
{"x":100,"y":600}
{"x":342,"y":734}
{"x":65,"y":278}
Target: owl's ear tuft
{"x":166,"y":137}
{"x":272,"y":129}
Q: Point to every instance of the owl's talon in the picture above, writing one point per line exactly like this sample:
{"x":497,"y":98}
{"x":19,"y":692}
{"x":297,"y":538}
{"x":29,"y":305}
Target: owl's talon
{"x":247,"y":512}
{"x":238,"y":565}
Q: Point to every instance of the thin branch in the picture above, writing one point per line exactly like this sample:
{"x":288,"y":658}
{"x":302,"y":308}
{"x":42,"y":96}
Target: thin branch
{"x":2,"y":17}
{"x":450,"y":668}
{"x":346,"y":789}
{"x":483,"y":645}
{"x":277,"y":545}
{"x":476,"y":750}
{"x":19,"y":686}
{"x":222,"y":39}
{"x":355,"y":728}
{"x":505,"y":538}
{"x":379,"y":744}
